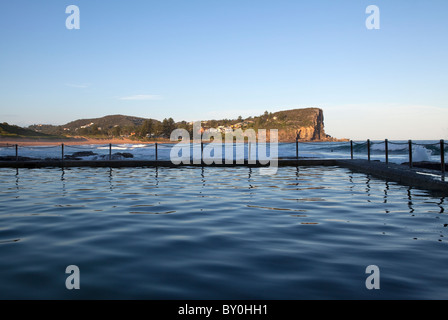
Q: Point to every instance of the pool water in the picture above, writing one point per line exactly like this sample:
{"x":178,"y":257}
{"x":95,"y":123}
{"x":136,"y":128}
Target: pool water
{"x":218,"y":233}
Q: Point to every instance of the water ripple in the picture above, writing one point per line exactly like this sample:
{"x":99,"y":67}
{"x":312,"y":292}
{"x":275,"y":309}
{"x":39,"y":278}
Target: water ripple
{"x":218,"y":233}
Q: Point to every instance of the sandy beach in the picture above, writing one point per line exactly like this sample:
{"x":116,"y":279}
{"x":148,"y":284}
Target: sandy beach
{"x":73,"y":141}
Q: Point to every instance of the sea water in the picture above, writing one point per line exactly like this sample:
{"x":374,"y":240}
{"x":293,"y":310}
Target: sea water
{"x":218,"y":233}
{"x":398,"y":151}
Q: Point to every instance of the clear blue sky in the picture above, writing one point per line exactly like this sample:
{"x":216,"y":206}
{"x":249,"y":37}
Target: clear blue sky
{"x":195,"y":59}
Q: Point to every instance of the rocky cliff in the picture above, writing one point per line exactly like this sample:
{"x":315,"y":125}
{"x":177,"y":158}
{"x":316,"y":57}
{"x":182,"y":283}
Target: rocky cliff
{"x":308,"y":123}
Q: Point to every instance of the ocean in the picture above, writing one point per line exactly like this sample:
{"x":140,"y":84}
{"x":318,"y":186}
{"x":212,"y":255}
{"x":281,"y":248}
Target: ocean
{"x":398,"y":151}
{"x":219,"y":233}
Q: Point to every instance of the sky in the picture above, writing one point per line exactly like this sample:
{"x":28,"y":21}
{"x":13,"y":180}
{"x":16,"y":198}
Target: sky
{"x":208,"y":59}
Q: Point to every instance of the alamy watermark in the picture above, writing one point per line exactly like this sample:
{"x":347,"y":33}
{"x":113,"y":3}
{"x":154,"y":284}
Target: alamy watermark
{"x":373,"y":280}
{"x":191,"y":149}
{"x":73,"y":21}
{"x":373,"y":20}
{"x":73,"y":280}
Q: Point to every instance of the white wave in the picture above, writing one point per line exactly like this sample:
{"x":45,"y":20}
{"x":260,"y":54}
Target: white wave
{"x":123,"y":147}
{"x":113,"y":148}
{"x":139,"y":146}
{"x":420,"y":153}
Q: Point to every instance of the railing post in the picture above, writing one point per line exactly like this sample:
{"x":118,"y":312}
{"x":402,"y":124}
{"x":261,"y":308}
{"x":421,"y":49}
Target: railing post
{"x":368,"y":149}
{"x":110,"y":151}
{"x":297,"y":149}
{"x":351,"y":148}
{"x":62,"y":152}
{"x":17,"y":152}
{"x":410,"y":153}
{"x":249,"y":152}
{"x":156,"y":152}
{"x":202,"y":152}
{"x":442,"y":156}
{"x":386,"y":148}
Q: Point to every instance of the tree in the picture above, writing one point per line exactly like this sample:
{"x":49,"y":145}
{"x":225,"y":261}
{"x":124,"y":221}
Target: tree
{"x":94,"y":130}
{"x":146,"y":128}
{"x":213,"y":123}
{"x":157,"y":128}
{"x":83,"y":131}
{"x":168,"y":125}
{"x":185,"y":125}
{"x":116,"y":131}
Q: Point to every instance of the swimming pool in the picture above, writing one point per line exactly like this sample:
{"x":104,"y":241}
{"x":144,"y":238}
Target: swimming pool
{"x":218,"y":233}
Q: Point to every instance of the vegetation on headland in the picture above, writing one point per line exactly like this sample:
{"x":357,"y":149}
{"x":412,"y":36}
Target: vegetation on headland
{"x":308,"y":121}
{"x":14,"y":132}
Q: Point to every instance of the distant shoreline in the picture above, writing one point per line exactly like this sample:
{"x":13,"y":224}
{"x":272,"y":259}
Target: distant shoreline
{"x":85,"y":140}
{"x":72,"y":141}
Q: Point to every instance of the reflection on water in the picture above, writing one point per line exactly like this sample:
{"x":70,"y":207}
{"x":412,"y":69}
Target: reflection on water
{"x":411,"y":209}
{"x":385,"y":192}
{"x":441,"y":205}
{"x":17,"y":182}
{"x":249,"y":179}
{"x":303,"y":180}
{"x":203,"y":177}
{"x":111,"y":185}
{"x":220,"y":233}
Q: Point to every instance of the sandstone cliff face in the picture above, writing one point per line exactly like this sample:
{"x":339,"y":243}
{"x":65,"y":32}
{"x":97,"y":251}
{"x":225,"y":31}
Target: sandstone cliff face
{"x":316,"y":131}
{"x":308,"y":122}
